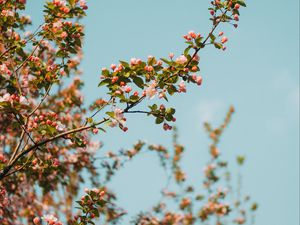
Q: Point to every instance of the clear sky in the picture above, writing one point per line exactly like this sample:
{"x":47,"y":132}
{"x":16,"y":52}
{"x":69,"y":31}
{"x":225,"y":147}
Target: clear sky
{"x":258,"y":74}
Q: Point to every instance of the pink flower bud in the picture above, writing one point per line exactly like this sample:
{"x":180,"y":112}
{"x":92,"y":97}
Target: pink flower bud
{"x":159,"y":62}
{"x":236,"y":17}
{"x":127,"y":89}
{"x":63,"y":35}
{"x":192,"y":34}
{"x":149,"y":68}
{"x":236,"y":6}
{"x":95,"y":131}
{"x":181,"y":59}
{"x":199,"y":80}
{"x":224,"y":39}
{"x":194,"y":68}
{"x":113,"y":66}
{"x":114,"y":79}
{"x":36,"y":220}
{"x":171,"y":55}
{"x":165,"y":126}
{"x":133,"y":61}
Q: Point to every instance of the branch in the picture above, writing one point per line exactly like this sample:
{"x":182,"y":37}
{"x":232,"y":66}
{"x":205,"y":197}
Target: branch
{"x":6,"y":170}
{"x":197,"y":49}
{"x":42,"y":100}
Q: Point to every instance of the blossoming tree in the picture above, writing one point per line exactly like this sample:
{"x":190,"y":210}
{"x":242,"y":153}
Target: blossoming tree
{"x":46,"y":129}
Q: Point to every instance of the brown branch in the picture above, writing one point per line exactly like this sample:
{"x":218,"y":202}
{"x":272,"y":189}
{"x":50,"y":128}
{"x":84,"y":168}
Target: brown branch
{"x":6,"y":170}
{"x":29,"y":39}
{"x":17,"y":147}
{"x":197,"y":49}
{"x":40,"y":103}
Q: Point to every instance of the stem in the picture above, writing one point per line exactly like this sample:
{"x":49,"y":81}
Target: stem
{"x":5,"y":171}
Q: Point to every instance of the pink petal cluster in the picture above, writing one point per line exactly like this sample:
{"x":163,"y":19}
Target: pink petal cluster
{"x":181,"y":60}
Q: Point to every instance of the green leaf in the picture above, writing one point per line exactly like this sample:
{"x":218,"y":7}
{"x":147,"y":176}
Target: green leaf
{"x":159,"y":120}
{"x":138,"y":82}
{"x":169,"y":117}
{"x":166,"y":61}
{"x":254,"y":206}
{"x":242,"y":3}
{"x":104,"y":82}
{"x":240,"y":160}
{"x":186,"y":51}
{"x":125,"y":64}
{"x":72,"y":50}
{"x":134,"y":98}
{"x":21,"y":53}
{"x":172,"y":89}
{"x":212,"y":37}
{"x":78,"y":42}
{"x":71,"y":2}
{"x":170,"y":111}
{"x":111,"y":114}
{"x":153,"y":107}
{"x":218,"y":45}
{"x":151,"y":61}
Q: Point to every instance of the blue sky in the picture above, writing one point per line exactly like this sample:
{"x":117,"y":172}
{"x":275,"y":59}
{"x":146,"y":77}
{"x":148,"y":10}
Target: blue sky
{"x":258,"y":74}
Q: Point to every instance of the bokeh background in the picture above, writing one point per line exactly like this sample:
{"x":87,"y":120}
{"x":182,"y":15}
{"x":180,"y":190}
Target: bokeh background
{"x":258,"y":74}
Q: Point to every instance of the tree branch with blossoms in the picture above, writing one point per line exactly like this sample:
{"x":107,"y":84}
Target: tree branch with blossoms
{"x":135,"y":72}
{"x":45,"y":128}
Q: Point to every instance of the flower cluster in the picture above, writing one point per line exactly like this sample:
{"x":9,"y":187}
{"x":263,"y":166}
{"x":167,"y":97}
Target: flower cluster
{"x":46,"y":127}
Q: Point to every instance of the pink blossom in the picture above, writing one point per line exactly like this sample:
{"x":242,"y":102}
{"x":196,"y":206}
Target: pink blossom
{"x":127,"y":89}
{"x":196,"y":58}
{"x":63,"y":35}
{"x":192,"y":34}
{"x":199,"y":80}
{"x":36,"y":220}
{"x":236,"y":17}
{"x":119,"y":114}
{"x":57,"y":25}
{"x":5,"y":98}
{"x":60,"y":126}
{"x":133,"y":61}
{"x":224,"y":39}
{"x":171,"y":55}
{"x":113,"y":66}
{"x":181,"y":59}
{"x":58,"y":3}
{"x":4,"y":70}
{"x":236,"y":6}
{"x":149,"y":68}
{"x":7,"y":13}
{"x":151,"y":90}
{"x":23,"y":100}
{"x":83,"y":4}
{"x":182,"y":87}
{"x":49,"y":218}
